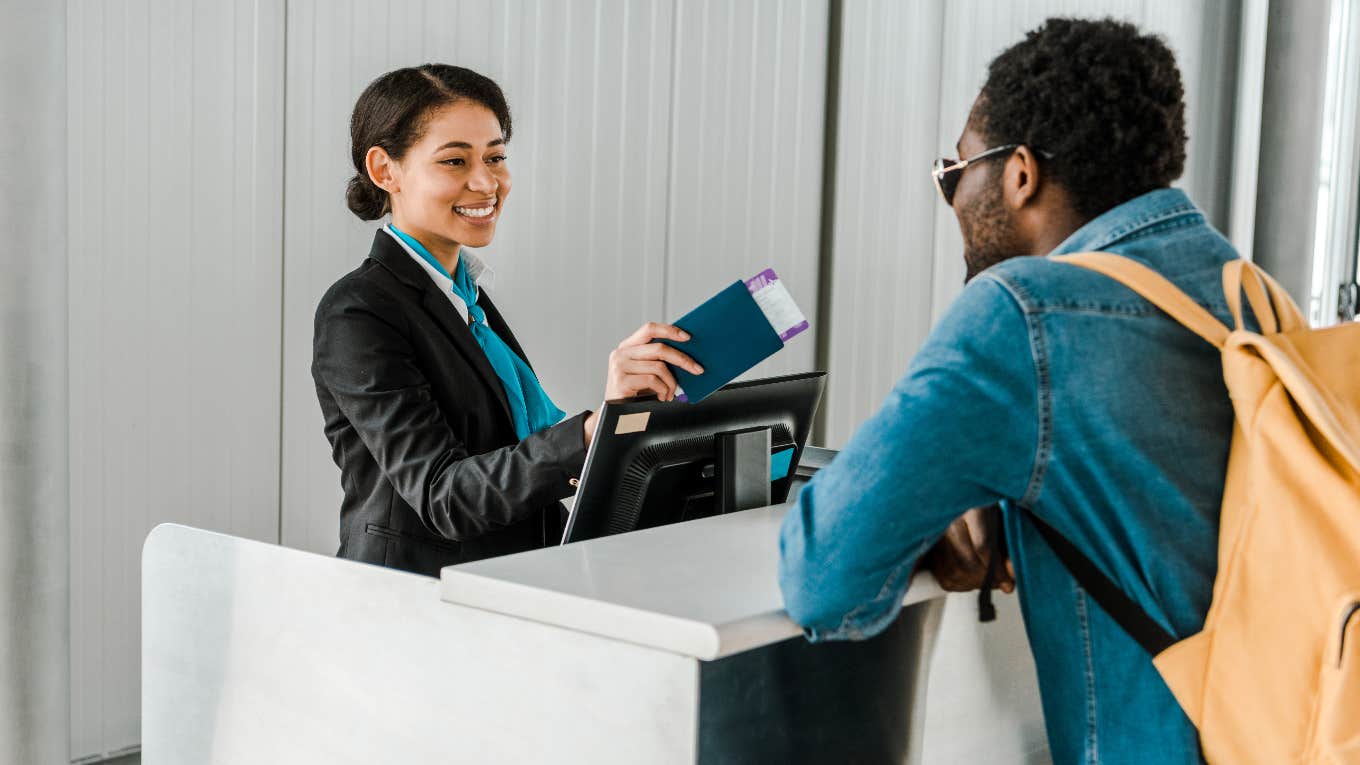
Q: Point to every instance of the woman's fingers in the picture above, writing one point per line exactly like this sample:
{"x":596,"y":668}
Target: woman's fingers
{"x":638,"y":364}
{"x":655,"y":331}
{"x":655,"y":369}
{"x":663,"y":352}
{"x":636,"y":384}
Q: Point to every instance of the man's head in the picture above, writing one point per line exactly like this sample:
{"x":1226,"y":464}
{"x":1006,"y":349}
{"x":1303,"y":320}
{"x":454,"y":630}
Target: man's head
{"x":1097,"y":114}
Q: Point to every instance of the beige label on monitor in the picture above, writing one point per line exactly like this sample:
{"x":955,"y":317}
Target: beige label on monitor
{"x":632,"y":423}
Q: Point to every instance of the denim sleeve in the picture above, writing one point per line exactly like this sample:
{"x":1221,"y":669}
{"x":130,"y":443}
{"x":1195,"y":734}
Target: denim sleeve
{"x":960,"y":430}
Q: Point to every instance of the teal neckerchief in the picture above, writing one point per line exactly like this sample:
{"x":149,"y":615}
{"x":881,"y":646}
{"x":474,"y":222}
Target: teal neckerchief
{"x":530,"y":408}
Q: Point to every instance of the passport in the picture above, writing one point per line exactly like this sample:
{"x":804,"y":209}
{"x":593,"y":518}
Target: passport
{"x":741,"y":326}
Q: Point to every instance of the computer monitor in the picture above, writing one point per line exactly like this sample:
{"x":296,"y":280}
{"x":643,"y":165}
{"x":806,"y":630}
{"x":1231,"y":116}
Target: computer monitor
{"x":652,"y":462}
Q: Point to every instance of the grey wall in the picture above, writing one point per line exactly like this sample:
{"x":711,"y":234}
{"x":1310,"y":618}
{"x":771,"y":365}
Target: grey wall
{"x":175,"y":190}
{"x":33,"y":420}
{"x":1291,"y":141}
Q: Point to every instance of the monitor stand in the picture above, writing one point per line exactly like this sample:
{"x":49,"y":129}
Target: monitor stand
{"x":743,"y":469}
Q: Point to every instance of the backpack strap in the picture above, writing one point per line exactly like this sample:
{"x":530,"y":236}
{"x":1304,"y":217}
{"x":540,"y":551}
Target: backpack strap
{"x":1126,"y":613}
{"x":1275,"y":313}
{"x":1156,"y":289}
{"x":1234,"y":284}
{"x":996,"y":553}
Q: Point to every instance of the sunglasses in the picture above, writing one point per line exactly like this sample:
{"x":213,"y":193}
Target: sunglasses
{"x":947,"y":172}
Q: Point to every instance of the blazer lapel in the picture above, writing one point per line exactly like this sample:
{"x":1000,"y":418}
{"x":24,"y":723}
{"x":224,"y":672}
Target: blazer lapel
{"x":395,"y":259}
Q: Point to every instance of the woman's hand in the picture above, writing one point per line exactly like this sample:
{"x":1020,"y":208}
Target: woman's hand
{"x":638,"y":365}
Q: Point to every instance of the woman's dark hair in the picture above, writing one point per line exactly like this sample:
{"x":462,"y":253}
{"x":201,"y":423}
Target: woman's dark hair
{"x":392,"y":112}
{"x":1105,"y":100}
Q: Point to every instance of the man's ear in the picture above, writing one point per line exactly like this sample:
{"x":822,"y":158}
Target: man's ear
{"x":1022,"y":178}
{"x":382,"y":169}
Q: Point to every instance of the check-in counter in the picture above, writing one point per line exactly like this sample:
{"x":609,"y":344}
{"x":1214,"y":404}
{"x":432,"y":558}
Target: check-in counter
{"x":659,"y":646}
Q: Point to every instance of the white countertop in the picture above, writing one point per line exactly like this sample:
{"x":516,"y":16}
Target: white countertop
{"x":704,"y":588}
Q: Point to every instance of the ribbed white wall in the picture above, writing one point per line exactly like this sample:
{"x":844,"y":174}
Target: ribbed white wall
{"x":175,"y":181}
{"x":746,"y":155}
{"x":885,"y":211}
{"x":34,"y":421}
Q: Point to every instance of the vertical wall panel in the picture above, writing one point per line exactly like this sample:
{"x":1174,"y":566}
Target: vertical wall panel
{"x":746,"y":155}
{"x":578,"y":256}
{"x":175,"y":212}
{"x":1204,"y":36}
{"x":34,"y":420}
{"x":885,"y":202}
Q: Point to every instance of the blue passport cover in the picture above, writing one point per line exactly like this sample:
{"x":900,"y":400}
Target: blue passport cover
{"x":729,"y":334}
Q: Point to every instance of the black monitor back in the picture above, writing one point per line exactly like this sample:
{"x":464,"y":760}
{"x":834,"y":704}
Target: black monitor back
{"x":652,"y":463}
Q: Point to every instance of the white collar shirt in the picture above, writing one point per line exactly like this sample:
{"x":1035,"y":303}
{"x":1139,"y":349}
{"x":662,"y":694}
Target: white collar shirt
{"x":477,"y":269}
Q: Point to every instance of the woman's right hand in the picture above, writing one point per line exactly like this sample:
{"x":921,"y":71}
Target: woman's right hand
{"x":638,"y":365}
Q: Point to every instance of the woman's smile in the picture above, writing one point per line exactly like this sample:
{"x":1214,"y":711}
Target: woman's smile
{"x":478,"y":213}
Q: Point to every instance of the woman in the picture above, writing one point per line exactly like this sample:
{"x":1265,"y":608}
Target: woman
{"x":449,"y":449}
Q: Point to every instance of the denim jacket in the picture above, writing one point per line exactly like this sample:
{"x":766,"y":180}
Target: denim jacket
{"x":1054,"y":388}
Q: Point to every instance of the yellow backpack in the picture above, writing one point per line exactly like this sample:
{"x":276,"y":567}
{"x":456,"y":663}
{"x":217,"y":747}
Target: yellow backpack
{"x":1274,"y":677}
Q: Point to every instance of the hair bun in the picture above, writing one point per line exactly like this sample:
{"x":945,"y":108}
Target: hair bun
{"x":365,"y":199}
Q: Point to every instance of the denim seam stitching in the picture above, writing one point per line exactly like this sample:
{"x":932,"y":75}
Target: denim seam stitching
{"x":1133,"y":311}
{"x":1160,"y":226}
{"x":1043,"y":393}
{"x":1122,"y":231}
{"x":1092,"y":753}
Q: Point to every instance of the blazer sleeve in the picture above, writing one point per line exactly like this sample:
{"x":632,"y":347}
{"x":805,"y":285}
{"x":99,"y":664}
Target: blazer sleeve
{"x":367,"y":363}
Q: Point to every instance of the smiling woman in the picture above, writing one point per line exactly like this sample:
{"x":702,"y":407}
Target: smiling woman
{"x":449,"y":448}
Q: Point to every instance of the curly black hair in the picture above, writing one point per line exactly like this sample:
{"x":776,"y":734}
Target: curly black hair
{"x":1104,"y":99}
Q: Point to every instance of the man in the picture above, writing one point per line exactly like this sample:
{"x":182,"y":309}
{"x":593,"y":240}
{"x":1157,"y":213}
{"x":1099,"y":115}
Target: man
{"x":1054,"y":390}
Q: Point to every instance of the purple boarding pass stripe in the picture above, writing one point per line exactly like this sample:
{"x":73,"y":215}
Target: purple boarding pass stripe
{"x":761,"y":280}
{"x":787,"y":334}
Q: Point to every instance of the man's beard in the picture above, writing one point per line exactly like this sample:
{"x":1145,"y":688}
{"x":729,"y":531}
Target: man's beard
{"x":988,"y":232}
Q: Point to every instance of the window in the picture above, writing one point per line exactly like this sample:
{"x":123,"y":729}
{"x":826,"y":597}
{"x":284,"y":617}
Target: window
{"x":1336,"y":244}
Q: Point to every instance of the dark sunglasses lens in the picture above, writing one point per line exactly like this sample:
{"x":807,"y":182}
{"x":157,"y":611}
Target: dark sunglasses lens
{"x":948,"y":182}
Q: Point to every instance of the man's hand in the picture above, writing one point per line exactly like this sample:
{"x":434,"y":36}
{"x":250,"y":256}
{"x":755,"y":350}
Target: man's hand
{"x":959,"y":560}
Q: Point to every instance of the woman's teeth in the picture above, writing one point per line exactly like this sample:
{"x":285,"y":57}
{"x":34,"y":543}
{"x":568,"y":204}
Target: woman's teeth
{"x":475,"y":212}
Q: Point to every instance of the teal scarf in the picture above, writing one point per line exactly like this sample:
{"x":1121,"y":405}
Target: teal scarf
{"x":530,"y":408}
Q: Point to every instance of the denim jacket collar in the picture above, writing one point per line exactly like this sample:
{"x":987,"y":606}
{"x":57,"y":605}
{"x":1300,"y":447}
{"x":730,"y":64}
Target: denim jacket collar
{"x":1153,"y":209}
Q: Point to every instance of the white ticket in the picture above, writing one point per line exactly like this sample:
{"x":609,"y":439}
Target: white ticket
{"x":774,"y":300}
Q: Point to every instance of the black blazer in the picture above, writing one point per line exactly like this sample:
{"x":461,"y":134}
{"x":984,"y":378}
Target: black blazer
{"x":419,"y":425}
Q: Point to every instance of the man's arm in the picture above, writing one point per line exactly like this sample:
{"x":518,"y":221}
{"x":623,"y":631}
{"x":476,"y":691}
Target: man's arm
{"x":960,"y":430}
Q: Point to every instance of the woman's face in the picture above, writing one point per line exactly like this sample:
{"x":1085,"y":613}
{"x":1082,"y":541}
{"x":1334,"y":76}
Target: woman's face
{"x":450,"y":187}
